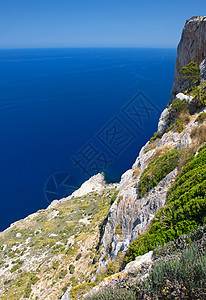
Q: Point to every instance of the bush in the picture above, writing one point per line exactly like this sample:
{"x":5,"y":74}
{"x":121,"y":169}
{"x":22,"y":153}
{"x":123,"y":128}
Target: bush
{"x":199,"y":133}
{"x":71,"y":268}
{"x":55,"y":265}
{"x":114,"y":197}
{"x":183,"y":276}
{"x":157,"y":170}
{"x":111,"y":294}
{"x":62,"y":273}
{"x":27,"y":290}
{"x":78,"y":256}
{"x":185,"y":209}
{"x":157,"y":135}
{"x":14,"y":268}
{"x":201,"y":117}
{"x":191,"y":72}
{"x":199,"y":96}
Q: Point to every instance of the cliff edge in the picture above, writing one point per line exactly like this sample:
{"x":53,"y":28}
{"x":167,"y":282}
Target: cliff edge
{"x":191,"y":48}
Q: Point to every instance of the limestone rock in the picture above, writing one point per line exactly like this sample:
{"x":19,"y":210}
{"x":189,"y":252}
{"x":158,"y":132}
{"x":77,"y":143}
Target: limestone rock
{"x":191,"y":48}
{"x":182,"y":96}
{"x":163,"y":124}
{"x":94,"y":184}
{"x":203,"y":70}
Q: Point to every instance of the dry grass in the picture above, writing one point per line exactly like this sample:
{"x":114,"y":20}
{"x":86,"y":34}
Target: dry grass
{"x":136,"y":172}
{"x":199,"y":134}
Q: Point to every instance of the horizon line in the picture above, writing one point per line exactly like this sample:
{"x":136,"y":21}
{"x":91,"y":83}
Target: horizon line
{"x":91,"y":47}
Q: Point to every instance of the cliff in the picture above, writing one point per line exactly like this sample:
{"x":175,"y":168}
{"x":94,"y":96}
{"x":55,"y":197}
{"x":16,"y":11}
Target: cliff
{"x":70,"y":247}
{"x":191,"y":48}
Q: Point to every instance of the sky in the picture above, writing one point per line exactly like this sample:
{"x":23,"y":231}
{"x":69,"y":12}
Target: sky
{"x":94,"y":23}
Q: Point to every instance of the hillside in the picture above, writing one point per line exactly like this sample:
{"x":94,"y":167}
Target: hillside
{"x":126,"y":240}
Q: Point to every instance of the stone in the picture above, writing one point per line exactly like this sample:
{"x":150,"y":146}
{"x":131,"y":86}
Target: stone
{"x":182,"y":96}
{"x":163,"y":124}
{"x":203,"y":70}
{"x":191,"y":48}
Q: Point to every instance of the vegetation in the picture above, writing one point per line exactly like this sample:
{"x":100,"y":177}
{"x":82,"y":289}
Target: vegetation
{"x":114,"y":293}
{"x":199,"y":95}
{"x":178,"y":111}
{"x":191,"y":72}
{"x":185,"y":209}
{"x":201,"y":118}
{"x":180,"y":275}
{"x":157,"y":170}
{"x":157,"y":135}
{"x":183,"y":276}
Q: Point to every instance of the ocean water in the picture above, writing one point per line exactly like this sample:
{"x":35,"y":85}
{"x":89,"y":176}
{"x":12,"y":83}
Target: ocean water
{"x":67,"y":114}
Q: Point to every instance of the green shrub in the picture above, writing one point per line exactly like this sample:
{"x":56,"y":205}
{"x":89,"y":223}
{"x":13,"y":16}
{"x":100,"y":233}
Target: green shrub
{"x":111,"y":269}
{"x":201,"y":117}
{"x":111,"y":294}
{"x":62,"y":273}
{"x":118,"y":229}
{"x":55,"y":265}
{"x":157,"y":170}
{"x":20,"y":282}
{"x":71,"y":268}
{"x":27,"y":290}
{"x":184,"y":276}
{"x":199,"y":96}
{"x":185,"y":209}
{"x":14,"y":268}
{"x":157,"y":135}
{"x":34,"y":279}
{"x":114,"y":197}
{"x":191,"y":72}
{"x":78,"y":256}
{"x":78,"y":291}
{"x":178,"y":126}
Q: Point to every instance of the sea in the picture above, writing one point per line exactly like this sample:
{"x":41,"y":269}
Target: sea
{"x":68,"y":114}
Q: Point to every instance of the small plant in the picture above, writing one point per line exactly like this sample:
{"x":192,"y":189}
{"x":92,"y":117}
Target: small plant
{"x":79,"y":255}
{"x":157,"y":135}
{"x":71,"y":268}
{"x":118,"y":229}
{"x":199,"y":134}
{"x":114,"y":197}
{"x":199,"y":95}
{"x":55,"y":265}
{"x":62,"y":273}
{"x":201,"y":118}
{"x":14,"y":268}
{"x":27,"y":290}
{"x":136,"y":172}
{"x":114,"y":293}
{"x":34,"y":279}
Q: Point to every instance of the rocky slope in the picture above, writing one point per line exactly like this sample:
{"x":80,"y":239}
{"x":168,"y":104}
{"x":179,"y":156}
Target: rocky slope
{"x":192,"y":48}
{"x":134,"y":214}
{"x":66,"y":249}
{"x":43,"y":254}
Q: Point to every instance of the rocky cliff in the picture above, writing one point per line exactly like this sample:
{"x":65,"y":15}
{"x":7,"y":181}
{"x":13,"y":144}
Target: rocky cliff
{"x":66,"y":249}
{"x":191,"y":48}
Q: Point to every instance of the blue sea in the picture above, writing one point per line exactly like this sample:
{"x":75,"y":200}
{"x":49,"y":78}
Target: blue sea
{"x":67,"y":114}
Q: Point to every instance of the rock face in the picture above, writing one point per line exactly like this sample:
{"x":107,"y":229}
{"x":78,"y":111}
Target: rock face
{"x":191,"y":48}
{"x":133,"y":214}
{"x":203,"y":70}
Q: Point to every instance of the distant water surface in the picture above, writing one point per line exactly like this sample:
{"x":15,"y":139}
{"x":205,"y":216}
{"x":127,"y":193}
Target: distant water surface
{"x":67,"y":113}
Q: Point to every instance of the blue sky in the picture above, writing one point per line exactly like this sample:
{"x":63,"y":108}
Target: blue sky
{"x":94,"y":23}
